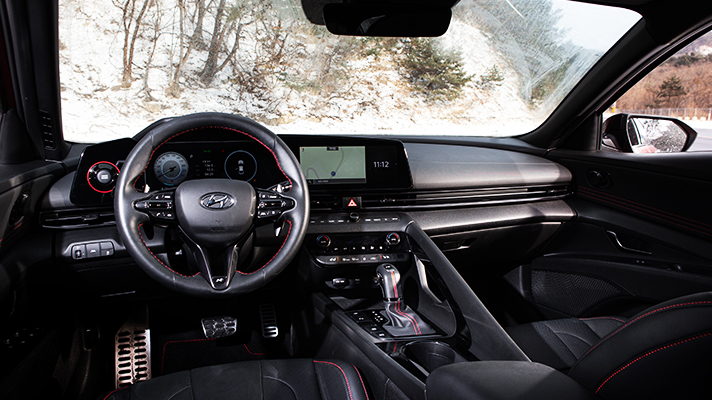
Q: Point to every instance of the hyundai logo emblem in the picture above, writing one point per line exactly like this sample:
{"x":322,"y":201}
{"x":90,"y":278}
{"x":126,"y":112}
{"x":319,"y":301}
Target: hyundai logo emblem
{"x":217,"y":201}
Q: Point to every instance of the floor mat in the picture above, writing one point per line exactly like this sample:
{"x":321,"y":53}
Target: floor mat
{"x":179,"y":343}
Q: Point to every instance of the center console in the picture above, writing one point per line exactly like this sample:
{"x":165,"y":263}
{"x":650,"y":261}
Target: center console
{"x":380,"y":281}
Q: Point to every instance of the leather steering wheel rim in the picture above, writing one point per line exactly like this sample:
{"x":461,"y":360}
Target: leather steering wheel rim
{"x":129,"y":220}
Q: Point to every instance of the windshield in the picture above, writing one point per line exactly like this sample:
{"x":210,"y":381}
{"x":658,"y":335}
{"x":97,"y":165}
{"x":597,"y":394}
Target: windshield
{"x":502,"y":67}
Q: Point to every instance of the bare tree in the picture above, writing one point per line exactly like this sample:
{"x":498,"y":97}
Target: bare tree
{"x":155,"y":23}
{"x":132,"y":23}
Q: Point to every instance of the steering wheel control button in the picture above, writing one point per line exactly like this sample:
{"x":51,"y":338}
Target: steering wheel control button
{"x":272,"y":204}
{"x":219,"y":327}
{"x":323,"y":241}
{"x":392,"y":239}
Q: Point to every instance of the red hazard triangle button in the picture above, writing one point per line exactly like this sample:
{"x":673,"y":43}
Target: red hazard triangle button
{"x":352,"y":202}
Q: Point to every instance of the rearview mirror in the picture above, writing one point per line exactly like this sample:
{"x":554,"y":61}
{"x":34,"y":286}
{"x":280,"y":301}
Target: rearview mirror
{"x":387,"y":20}
{"x":647,"y":134}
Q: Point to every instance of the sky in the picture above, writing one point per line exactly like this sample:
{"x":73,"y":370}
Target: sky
{"x":594,"y":26}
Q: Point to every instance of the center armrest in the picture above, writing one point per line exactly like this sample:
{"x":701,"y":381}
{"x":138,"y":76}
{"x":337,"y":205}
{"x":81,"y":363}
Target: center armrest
{"x":505,"y":380}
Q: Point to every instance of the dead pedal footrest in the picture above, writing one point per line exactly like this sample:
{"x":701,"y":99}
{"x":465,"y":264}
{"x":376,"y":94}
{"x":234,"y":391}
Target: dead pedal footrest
{"x":132,"y":354}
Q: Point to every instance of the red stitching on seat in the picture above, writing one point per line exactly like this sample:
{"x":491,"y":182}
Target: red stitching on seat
{"x":275,"y":254}
{"x":250,"y":351}
{"x":342,"y":371}
{"x":163,"y":357}
{"x":647,"y":354}
{"x":645,"y":315}
{"x":613,"y":318}
{"x":116,"y":390}
{"x":362,"y":384}
{"x":158,"y":259}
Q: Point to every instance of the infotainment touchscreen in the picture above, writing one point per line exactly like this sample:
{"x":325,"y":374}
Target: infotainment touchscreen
{"x":333,"y":164}
{"x":343,"y":164}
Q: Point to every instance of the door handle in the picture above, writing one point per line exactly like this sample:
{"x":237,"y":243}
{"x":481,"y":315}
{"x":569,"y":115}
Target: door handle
{"x":616,"y":242}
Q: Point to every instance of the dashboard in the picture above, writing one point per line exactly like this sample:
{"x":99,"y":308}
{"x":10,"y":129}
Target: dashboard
{"x":331,"y":163}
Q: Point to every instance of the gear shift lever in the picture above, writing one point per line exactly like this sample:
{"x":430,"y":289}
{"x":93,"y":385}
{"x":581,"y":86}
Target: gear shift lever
{"x":402,"y":321}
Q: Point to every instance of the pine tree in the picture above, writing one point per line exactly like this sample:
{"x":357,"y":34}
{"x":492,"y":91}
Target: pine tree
{"x":437,"y":75}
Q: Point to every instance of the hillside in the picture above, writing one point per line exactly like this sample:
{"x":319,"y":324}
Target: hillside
{"x":125,"y":64}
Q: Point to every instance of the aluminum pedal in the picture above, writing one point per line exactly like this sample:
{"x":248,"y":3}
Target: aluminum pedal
{"x":132,"y":354}
{"x":219,"y":327}
{"x":268,"y":318}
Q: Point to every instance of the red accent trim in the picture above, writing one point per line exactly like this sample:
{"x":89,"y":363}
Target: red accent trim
{"x":11,"y":231}
{"x":647,"y":354}
{"x":416,"y":327}
{"x":252,"y":353}
{"x":89,"y":171}
{"x":362,"y":384}
{"x":158,"y":259}
{"x":680,"y":223}
{"x":163,"y":357}
{"x":275,"y":254}
{"x":641,"y":205}
{"x":613,"y":318}
{"x":395,"y":287}
{"x":113,"y":391}
{"x":694,"y":303}
{"x":213,"y":127}
{"x":342,"y":371}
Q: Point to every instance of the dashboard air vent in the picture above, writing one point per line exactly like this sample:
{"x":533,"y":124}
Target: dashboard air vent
{"x":77,"y":218}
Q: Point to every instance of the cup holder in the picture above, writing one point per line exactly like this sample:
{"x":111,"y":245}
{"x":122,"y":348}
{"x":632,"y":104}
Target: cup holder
{"x":431,"y":355}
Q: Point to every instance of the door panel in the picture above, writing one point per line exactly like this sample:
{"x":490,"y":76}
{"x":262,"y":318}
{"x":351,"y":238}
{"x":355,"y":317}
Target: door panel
{"x":642,"y":236}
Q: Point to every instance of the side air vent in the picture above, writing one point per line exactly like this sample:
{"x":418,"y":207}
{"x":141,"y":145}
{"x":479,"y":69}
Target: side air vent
{"x":444,"y":199}
{"x":77,"y":218}
{"x":47,"y":128}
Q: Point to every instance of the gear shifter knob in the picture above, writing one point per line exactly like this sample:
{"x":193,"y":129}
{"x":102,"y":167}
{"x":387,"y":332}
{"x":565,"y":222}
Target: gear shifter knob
{"x":389,"y":280}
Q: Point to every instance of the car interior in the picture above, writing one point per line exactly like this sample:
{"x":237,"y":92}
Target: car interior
{"x":205,"y":256}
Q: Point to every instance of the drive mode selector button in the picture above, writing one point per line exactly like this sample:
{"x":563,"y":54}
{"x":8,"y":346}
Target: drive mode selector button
{"x":323,"y":241}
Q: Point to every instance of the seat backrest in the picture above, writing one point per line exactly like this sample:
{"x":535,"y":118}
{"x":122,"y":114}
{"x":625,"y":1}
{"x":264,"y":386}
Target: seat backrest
{"x":662,"y":352}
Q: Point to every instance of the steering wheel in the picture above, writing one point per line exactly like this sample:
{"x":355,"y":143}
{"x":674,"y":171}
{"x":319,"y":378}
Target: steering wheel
{"x":215,"y":217}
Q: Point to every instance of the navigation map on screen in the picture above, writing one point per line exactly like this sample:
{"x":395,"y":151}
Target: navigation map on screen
{"x":333,"y":164}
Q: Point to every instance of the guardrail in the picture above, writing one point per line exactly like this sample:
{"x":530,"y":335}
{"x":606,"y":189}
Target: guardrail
{"x":694,"y":114}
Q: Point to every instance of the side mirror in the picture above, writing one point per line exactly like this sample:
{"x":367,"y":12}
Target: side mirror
{"x":647,"y":134}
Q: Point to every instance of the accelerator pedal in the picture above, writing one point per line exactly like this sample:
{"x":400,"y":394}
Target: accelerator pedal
{"x":268,"y":318}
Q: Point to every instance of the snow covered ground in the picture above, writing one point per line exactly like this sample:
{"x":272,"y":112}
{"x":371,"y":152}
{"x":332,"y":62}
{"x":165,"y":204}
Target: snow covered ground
{"x":96,"y":107}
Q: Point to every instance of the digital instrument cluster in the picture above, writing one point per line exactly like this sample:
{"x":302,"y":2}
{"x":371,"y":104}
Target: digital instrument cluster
{"x":237,"y":160}
{"x":329,"y":164}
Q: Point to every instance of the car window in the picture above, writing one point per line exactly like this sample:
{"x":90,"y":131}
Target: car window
{"x":500,"y":70}
{"x":678,"y":88}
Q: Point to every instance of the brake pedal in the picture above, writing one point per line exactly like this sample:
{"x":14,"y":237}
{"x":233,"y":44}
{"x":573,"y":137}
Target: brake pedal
{"x":132,"y":354}
{"x":268,"y":318}
{"x":219,"y":327}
